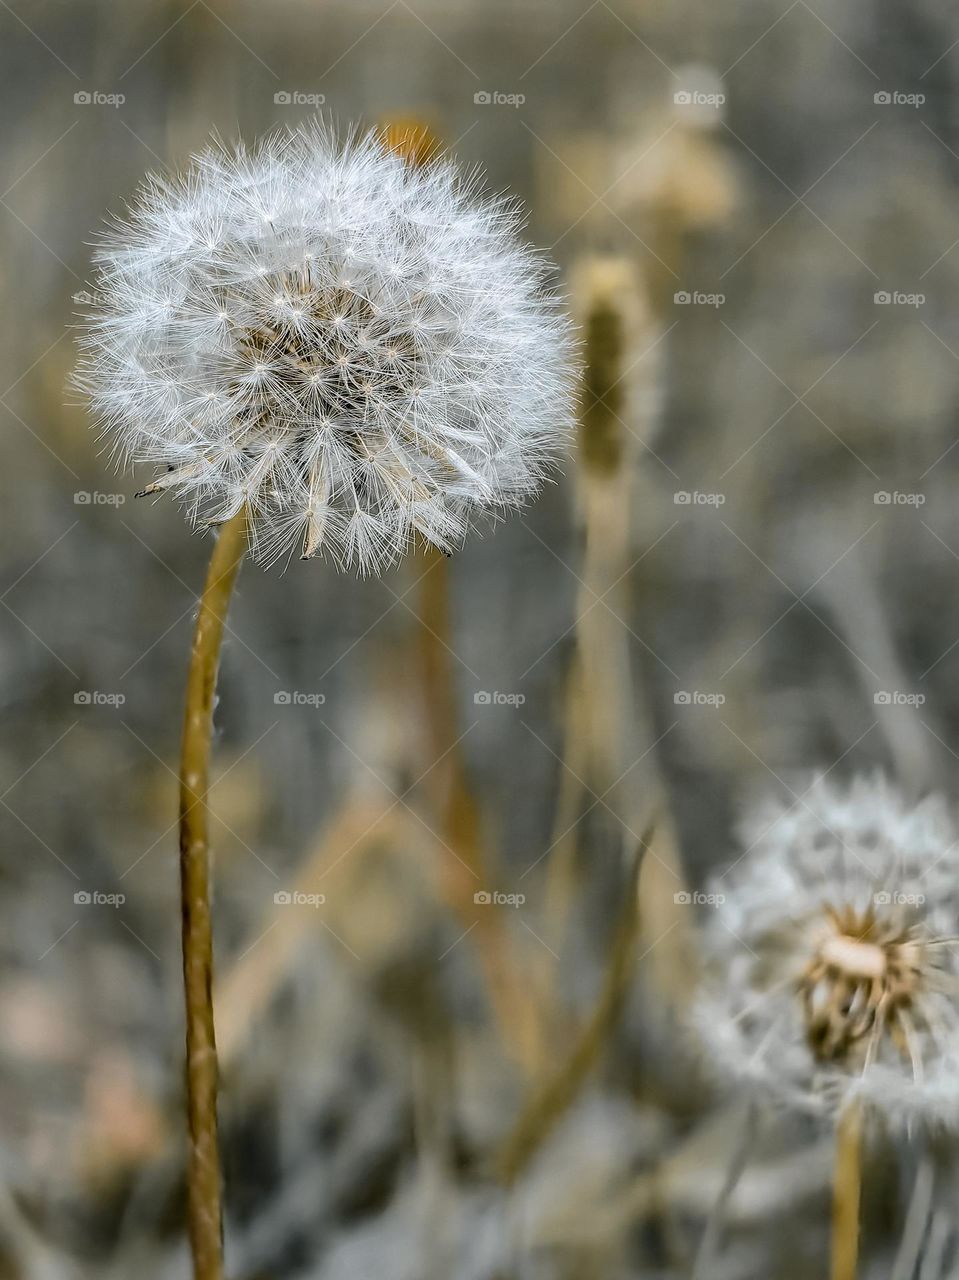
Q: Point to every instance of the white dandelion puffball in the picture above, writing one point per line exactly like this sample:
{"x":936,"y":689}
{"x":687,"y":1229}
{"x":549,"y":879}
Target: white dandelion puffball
{"x":833,"y":956}
{"x":355,"y":348}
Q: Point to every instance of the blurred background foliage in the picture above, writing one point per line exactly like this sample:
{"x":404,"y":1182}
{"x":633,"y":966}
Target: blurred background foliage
{"x":417,"y":1083}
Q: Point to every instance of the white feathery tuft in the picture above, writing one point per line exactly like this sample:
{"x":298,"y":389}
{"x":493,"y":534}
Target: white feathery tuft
{"x":358,"y":349}
{"x":832,"y":956}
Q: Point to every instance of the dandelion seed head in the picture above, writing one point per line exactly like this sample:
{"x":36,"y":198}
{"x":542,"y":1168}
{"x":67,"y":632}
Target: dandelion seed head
{"x":833,"y":956}
{"x":359,"y":349}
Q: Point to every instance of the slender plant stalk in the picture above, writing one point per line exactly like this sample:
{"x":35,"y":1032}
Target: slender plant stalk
{"x":205,"y":1210}
{"x":512,"y":1003}
{"x":846,"y":1192}
{"x":599,"y":683}
{"x":511,"y":999}
{"x":547,"y":1104}
{"x":243,"y":993}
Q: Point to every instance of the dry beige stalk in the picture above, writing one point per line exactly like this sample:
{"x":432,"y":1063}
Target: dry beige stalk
{"x":609,"y":732}
{"x":512,"y":1000}
{"x":262,"y":970}
{"x":469,"y":870}
{"x":205,"y":1212}
{"x":548,"y":1102}
{"x":847,"y":1189}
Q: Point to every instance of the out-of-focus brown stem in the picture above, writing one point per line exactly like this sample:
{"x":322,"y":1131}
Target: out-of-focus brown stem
{"x":434,"y":611}
{"x":205,"y":1213}
{"x":846,"y":1192}
{"x":467,"y":871}
{"x":550,"y":1100}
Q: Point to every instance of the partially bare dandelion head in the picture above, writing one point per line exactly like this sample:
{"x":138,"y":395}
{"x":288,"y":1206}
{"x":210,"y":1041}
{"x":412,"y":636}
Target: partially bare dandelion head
{"x":834,"y":956}
{"x":354,"y":348}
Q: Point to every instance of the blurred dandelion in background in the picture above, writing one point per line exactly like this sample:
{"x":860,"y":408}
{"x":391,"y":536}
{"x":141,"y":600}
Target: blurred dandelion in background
{"x":833,"y":976}
{"x":833,"y":955}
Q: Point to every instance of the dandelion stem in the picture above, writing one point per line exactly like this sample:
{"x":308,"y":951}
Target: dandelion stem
{"x":204,"y":1184}
{"x":847,"y":1187}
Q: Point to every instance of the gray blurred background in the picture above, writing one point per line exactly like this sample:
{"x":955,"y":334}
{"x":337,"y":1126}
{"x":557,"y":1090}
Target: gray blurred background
{"x":775,"y":594}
